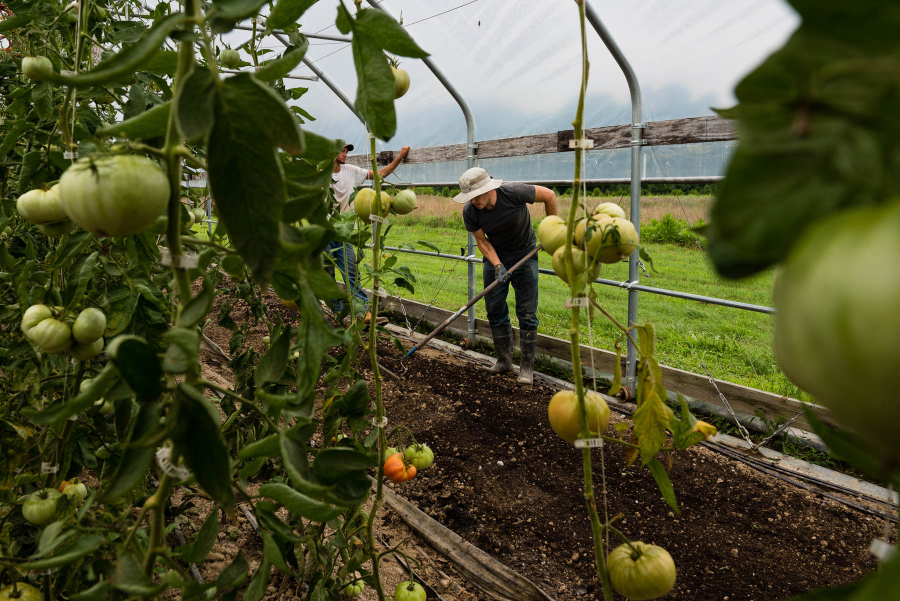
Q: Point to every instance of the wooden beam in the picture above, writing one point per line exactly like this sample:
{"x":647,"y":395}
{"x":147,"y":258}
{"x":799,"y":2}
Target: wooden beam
{"x":657,"y":133}
{"x":742,"y":399}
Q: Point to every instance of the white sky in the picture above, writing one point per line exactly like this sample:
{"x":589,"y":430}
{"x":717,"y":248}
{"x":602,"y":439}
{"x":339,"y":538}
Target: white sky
{"x":519,"y":69}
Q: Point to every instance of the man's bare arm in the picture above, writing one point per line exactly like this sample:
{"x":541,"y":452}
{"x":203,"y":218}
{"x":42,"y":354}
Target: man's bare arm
{"x":546,"y":196}
{"x":486,"y":248}
{"x":387,"y":170}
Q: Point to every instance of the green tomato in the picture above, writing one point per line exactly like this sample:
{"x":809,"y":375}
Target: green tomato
{"x":83,"y":352}
{"x":364,"y":204}
{"x":354,"y":589}
{"x":22,"y":592}
{"x":565,"y":417}
{"x":89,"y":325}
{"x":552,"y":233}
{"x":647,"y":572}
{"x":40,"y":507}
{"x":34,"y":315}
{"x":114,"y":195}
{"x":74,"y":489}
{"x":230,"y":58}
{"x":409,"y":591}
{"x":612,"y":240}
{"x":837,"y":302}
{"x":401,"y":82}
{"x":609,"y":208}
{"x":41,"y":206}
{"x":390,"y":451}
{"x":579,"y":262}
{"x":404,"y":202}
{"x":420,"y":455}
{"x":37,"y":68}
{"x":51,"y":335}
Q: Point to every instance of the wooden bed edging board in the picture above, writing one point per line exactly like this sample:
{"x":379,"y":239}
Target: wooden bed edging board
{"x":742,"y":399}
{"x":692,"y":130}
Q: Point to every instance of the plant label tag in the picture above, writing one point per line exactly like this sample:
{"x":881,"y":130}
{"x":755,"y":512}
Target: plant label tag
{"x":881,"y":549}
{"x":46,"y":468}
{"x":583,"y":143}
{"x":378,"y":219}
{"x":185,"y":261}
{"x":588,"y":443}
{"x":380,"y":423}
{"x":576,"y":302}
{"x":69,"y":154}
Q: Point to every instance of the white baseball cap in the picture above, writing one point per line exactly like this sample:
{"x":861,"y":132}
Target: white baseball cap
{"x":475,"y":182}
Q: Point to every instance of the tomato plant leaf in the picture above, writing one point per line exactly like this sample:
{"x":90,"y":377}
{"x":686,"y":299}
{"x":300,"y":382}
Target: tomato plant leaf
{"x":651,"y":420}
{"x":387,"y":32}
{"x":225,"y":13}
{"x":63,"y":411}
{"x":658,"y":470}
{"x":128,"y":59}
{"x":287,"y":12}
{"x":138,"y":364}
{"x":298,"y":503}
{"x":12,"y":451}
{"x":375,"y":87}
{"x":197,"y":550}
{"x":195,"y":104}
{"x":265,"y":447}
{"x":279,"y":67}
{"x":318,"y":338}
{"x":16,"y":21}
{"x":273,"y":553}
{"x":137,"y":457}
{"x":197,"y":308}
{"x":321,"y":150}
{"x":98,"y":592}
{"x":88,"y":269}
{"x":272,"y":364}
{"x":129,"y":578}
{"x":333,"y":463}
{"x":149,"y":124}
{"x":198,"y":439}
{"x":256,"y":590}
{"x":42,"y":98}
{"x":122,"y":303}
{"x":11,"y":137}
{"x":183,"y":351}
{"x":81,"y":547}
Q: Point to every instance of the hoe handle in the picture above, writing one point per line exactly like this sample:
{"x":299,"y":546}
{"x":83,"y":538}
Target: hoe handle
{"x":481,"y":294}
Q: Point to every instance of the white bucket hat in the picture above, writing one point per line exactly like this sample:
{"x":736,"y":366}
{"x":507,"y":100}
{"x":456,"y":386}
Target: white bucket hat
{"x":475,"y":182}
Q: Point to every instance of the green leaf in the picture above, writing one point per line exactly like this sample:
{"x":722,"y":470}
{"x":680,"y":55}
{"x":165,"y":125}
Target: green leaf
{"x":318,"y":338}
{"x":138,"y":365}
{"x":266,"y":447}
{"x":272,"y":364}
{"x":128,"y":59}
{"x":259,"y":581}
{"x":63,"y":411}
{"x":273,"y":553}
{"x":287,"y":12}
{"x":88,"y":269}
{"x":198,"y":439}
{"x":387,"y":33}
{"x":320,"y":149}
{"x":137,"y":456}
{"x":225,"y":13}
{"x":50,"y":538}
{"x":42,"y":97}
{"x":375,"y":86}
{"x":82,"y":547}
{"x":234,"y":574}
{"x":149,"y":124}
{"x":122,"y":304}
{"x":98,"y":592}
{"x":428,"y":245}
{"x":164,"y":62}
{"x":199,"y":306}
{"x":16,"y":21}
{"x":333,"y":463}
{"x":658,"y":470}
{"x":195,"y":104}
{"x":73,"y":245}
{"x":267,"y":110}
{"x":183,"y":351}
{"x":11,"y":137}
{"x":278,"y":68}
{"x":651,"y":419}
{"x":129,"y":578}
{"x":197,"y":550}
{"x":299,"y":504}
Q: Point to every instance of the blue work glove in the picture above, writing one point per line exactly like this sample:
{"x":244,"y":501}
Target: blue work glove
{"x":500,"y":273}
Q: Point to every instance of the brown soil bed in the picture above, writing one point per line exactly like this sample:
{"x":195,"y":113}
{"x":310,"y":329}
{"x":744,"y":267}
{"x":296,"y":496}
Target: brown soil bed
{"x":508,"y":484}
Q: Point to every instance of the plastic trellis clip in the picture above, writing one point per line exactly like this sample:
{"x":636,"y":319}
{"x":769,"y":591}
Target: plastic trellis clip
{"x":581,"y":301}
{"x":588,"y":443}
{"x":370,"y":136}
{"x":170,"y":469}
{"x":379,"y":219}
{"x":70,"y":154}
{"x":380,"y":292}
{"x":583,"y":143}
{"x":46,"y":468}
{"x":185,"y":261}
{"x":881,"y":549}
{"x":380,"y":424}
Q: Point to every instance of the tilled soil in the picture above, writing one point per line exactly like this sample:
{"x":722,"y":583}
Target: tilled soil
{"x":507,"y":483}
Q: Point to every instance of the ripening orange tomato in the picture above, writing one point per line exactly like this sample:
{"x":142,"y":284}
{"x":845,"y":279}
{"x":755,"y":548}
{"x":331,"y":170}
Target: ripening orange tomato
{"x":398,"y":469}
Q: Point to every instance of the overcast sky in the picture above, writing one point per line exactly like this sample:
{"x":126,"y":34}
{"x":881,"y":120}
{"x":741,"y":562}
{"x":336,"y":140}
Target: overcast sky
{"x":517,"y":63}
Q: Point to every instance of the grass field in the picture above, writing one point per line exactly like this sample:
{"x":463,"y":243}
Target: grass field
{"x":734,"y":345}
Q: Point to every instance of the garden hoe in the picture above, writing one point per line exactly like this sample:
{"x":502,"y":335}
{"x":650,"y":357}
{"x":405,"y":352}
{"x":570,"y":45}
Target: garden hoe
{"x":493,"y":284}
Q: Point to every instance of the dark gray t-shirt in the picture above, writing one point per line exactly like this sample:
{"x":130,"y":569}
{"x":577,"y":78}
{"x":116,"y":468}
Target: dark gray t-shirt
{"x":508,"y":224}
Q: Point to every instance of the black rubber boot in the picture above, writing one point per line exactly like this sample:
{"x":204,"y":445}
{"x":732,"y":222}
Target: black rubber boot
{"x":528,"y":342}
{"x":503,"y":344}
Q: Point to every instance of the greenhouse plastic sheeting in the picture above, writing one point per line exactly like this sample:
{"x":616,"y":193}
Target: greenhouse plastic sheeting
{"x":518,"y":65}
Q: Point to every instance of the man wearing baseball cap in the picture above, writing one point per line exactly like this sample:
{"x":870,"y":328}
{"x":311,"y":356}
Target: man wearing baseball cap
{"x":497,"y":215}
{"x":345,"y":179}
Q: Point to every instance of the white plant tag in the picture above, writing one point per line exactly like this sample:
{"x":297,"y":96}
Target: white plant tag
{"x":576,"y":302}
{"x":588,"y":443}
{"x":378,"y":219}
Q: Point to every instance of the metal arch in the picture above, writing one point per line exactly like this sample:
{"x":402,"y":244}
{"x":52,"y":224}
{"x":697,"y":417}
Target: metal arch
{"x":636,"y":145}
{"x":470,"y":162}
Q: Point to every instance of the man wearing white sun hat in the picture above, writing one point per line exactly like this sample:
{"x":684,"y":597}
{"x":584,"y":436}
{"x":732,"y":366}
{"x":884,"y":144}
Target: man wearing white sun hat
{"x":497,"y":215}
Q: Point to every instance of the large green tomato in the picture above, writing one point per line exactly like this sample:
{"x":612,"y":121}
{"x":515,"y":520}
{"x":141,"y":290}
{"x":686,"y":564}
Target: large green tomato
{"x":89,"y":325}
{"x":552,"y":233}
{"x":404,"y":202}
{"x":22,"y":592}
{"x":114,"y":195}
{"x":401,"y":82}
{"x":40,"y":507}
{"x":579,"y":262}
{"x":608,"y":208}
{"x":34,"y":315}
{"x":420,"y":455}
{"x":51,"y":335}
{"x":409,"y":591}
{"x":41,"y":206}
{"x":612,"y":240}
{"x":564,"y":414}
{"x":353,"y":589}
{"x":837,"y":320}
{"x":230,"y":58}
{"x":83,"y":352}
{"x":37,"y":68}
{"x":647,"y":572}
{"x":364,"y":204}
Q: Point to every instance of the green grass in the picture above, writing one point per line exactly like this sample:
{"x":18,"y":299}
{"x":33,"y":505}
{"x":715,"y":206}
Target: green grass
{"x":735,"y":345}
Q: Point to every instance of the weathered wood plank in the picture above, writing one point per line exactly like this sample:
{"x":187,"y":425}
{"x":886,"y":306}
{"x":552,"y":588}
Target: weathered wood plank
{"x":657,"y":133}
{"x":742,"y":399}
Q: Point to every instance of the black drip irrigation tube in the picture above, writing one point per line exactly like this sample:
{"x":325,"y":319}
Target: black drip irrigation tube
{"x":804,"y":481}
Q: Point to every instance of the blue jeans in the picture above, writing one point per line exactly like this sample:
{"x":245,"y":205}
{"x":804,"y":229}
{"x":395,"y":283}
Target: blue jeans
{"x":524,"y":281}
{"x":345,"y":257}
